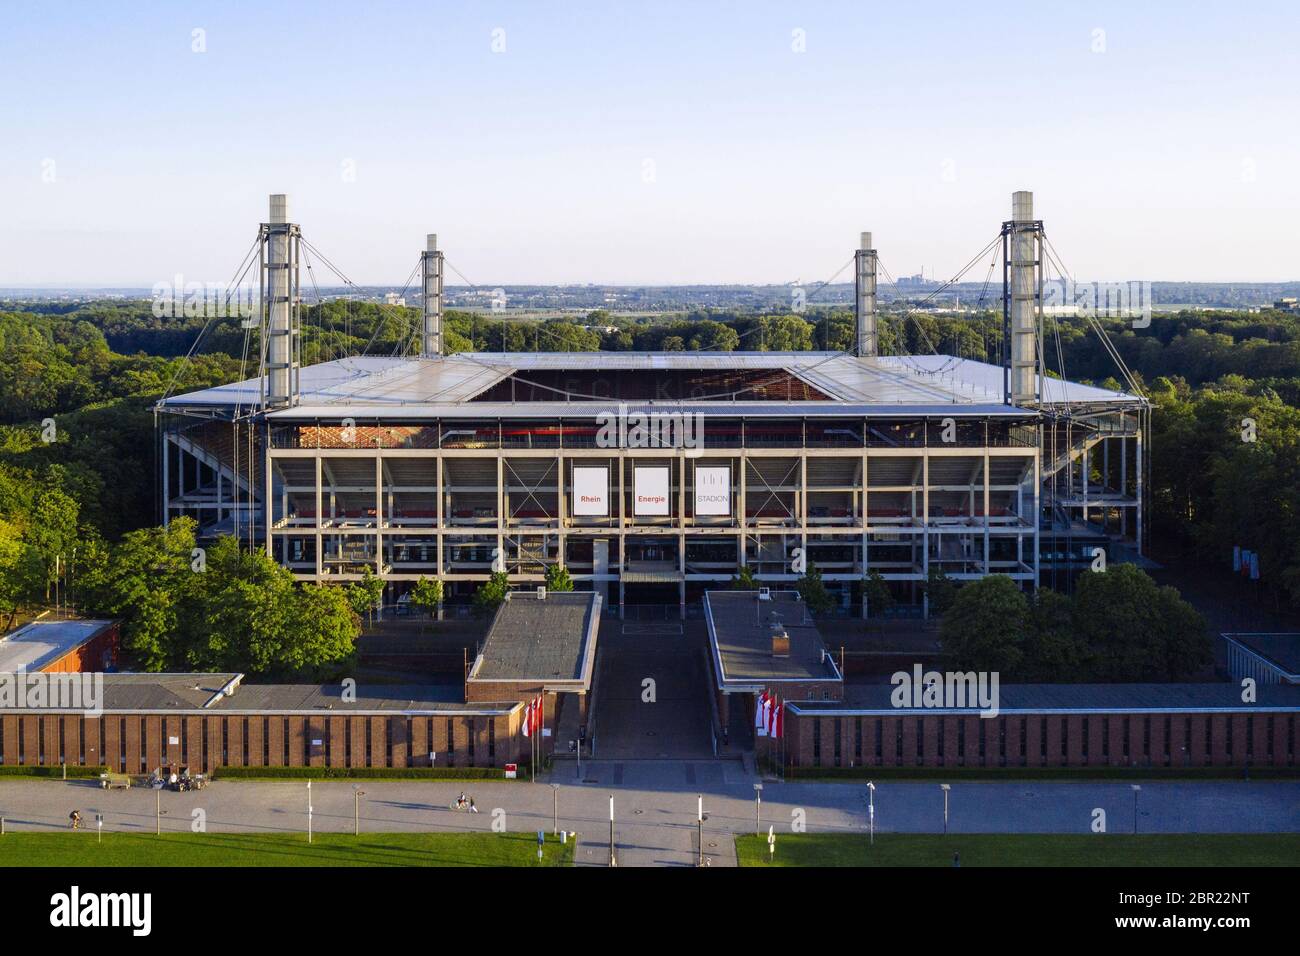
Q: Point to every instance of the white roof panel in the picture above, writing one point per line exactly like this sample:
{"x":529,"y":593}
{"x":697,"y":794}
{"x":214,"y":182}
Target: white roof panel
{"x":410,"y":387}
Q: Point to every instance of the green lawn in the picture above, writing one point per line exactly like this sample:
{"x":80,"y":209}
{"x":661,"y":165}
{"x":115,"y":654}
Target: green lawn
{"x":991,"y":849}
{"x":262,"y":849}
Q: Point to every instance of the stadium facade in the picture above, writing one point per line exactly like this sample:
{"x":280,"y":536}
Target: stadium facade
{"x":655,"y":476}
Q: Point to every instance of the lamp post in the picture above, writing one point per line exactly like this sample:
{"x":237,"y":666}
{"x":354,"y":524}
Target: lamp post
{"x":699,"y":826}
{"x":945,"y":787}
{"x":1137,"y":788}
{"x":612,"y":860}
{"x":357,"y":794}
{"x":308,"y":811}
{"x":871,"y":811}
{"x":555,"y":809}
{"x":157,"y":813}
{"x":758,"y":809}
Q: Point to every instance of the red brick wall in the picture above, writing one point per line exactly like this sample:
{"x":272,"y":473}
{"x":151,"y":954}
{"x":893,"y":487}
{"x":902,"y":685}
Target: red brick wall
{"x":1200,"y":751}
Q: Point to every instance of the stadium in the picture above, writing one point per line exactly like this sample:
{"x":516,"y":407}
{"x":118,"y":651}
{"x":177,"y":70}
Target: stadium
{"x":653,"y":477}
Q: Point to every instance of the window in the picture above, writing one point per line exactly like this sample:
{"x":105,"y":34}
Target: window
{"x":857,"y":740}
{"x":838,"y":729}
{"x":1105,"y":737}
{"x":817,"y":742}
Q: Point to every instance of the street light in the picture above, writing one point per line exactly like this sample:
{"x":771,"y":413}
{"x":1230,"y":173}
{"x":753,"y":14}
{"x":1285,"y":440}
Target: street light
{"x":357,"y":794}
{"x":555,"y":809}
{"x":308,"y":811}
{"x":871,"y":811}
{"x":945,"y":787}
{"x":1137,"y":788}
{"x":612,"y":860}
{"x":699,"y":824}
{"x":758,"y":809}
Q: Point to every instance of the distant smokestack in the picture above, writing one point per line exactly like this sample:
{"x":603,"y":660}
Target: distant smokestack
{"x":1025,"y":255}
{"x":866,"y":340}
{"x":431,"y":269}
{"x":280,"y":285}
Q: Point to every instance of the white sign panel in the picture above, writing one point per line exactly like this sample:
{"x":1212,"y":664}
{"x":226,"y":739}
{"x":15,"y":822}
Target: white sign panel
{"x":590,"y":492}
{"x":713,"y":490}
{"x":650,"y":492}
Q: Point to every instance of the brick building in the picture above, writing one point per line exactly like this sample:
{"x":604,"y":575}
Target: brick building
{"x":63,"y":647}
{"x":206,"y":721}
{"x":1052,"y":725}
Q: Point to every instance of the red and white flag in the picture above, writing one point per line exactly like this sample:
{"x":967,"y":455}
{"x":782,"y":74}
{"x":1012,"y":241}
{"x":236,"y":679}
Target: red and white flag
{"x":760,"y":714}
{"x":527,"y":726}
{"x":538,"y":714}
{"x":778,"y":721}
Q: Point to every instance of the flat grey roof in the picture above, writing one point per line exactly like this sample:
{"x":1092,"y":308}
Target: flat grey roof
{"x":443,"y":387}
{"x":1282,"y":650}
{"x":142,"y":692}
{"x":740,"y":632}
{"x":547,"y":640}
{"x":35,"y":645}
{"x":370,"y":698}
{"x":875,"y":699}
{"x":227,"y":693}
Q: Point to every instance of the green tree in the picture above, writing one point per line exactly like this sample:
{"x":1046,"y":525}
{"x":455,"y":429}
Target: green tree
{"x":53,"y":531}
{"x":557,"y":578}
{"x":813,"y":591}
{"x":146,"y":582}
{"x":426,"y":596}
{"x":366,"y":594}
{"x":940,"y":589}
{"x":985,"y":630}
{"x":1135,"y":630}
{"x":744,"y":580}
{"x":21,"y":572}
{"x":1053,"y":652}
{"x":876,"y":593}
{"x":491,"y":594}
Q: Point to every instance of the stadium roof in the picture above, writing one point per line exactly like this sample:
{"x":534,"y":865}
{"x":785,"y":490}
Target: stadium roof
{"x":444,"y":387}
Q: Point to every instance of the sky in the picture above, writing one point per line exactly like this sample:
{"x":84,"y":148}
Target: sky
{"x":650,"y":142}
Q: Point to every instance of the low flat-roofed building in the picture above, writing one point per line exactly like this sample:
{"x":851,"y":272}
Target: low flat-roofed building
{"x":60,"y":646}
{"x":210,"y":720}
{"x":541,"y":646}
{"x":1267,"y":658}
{"x":1141,"y":727}
{"x":766,"y":641}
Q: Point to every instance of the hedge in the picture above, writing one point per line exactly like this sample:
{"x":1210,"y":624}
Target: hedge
{"x":53,"y":773}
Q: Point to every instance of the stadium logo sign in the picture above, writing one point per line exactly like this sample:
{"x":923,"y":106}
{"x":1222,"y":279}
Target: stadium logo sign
{"x":624,"y":429}
{"x":131,"y":910}
{"x":20,"y":690}
{"x":951,"y":690}
{"x":179,"y":299}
